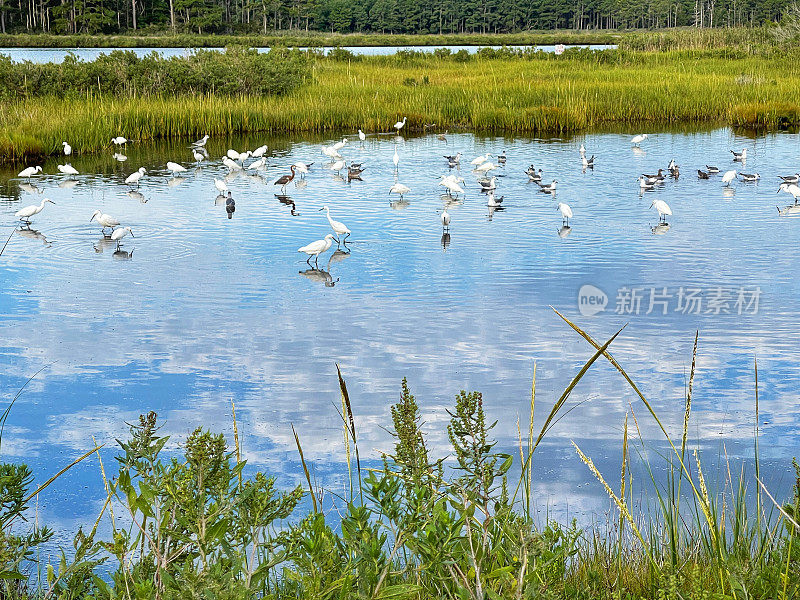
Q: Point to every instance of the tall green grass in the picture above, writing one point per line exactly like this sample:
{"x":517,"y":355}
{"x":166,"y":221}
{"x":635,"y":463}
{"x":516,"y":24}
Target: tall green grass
{"x":537,"y":94}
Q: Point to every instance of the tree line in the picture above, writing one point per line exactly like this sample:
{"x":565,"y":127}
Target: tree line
{"x":378,"y":16}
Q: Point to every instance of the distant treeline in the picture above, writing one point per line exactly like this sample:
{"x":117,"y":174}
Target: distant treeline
{"x":377,"y":16}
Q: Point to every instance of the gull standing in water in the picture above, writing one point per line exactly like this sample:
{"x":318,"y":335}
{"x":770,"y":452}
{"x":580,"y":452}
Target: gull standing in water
{"x":339,"y":228}
{"x":316,"y":248}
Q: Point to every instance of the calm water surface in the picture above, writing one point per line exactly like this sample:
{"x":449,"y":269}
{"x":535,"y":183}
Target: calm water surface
{"x":198,"y":310}
{"x":56,"y":55}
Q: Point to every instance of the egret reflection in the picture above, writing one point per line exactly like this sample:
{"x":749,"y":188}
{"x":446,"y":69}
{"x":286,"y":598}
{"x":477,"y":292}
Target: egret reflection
{"x":30,"y":188}
{"x":122,"y":254}
{"x":68,"y":184}
{"x":138,"y":196}
{"x":564,"y":231}
{"x":33,"y":234}
{"x":660,"y":229}
{"x":176,"y":181}
{"x":445,"y":240}
{"x":103,"y":244}
{"x":793,"y":210}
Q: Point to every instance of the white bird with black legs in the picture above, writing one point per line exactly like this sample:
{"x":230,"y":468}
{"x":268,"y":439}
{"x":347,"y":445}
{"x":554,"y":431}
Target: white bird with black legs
{"x":337,"y":166}
{"x":445,"y":219}
{"x":25,"y":214}
{"x":638,"y":139}
{"x":135,"y":176}
{"x":400,"y":124}
{"x":663,"y":210}
{"x":790,"y":188}
{"x":451,"y":182}
{"x":105,"y":220}
{"x":302,"y":168}
{"x":361,"y":135}
{"x":485,"y":167}
{"x":728,"y":177}
{"x":479,"y":160}
{"x":339,"y":228}
{"x":201,"y":142}
{"x":318,"y":247}
{"x":68,"y":169}
{"x":118,"y":234}
{"x":582,"y":150}
{"x":29,"y":172}
{"x":258,"y":165}
{"x":259,"y":152}
{"x":400,"y":189}
{"x":175,"y":168}
{"x":331,"y":152}
{"x":119,"y":140}
{"x":221,"y":186}
{"x":231,"y":164}
{"x":566,"y":212}
{"x":339,"y":145}
{"x":67,"y":148}
{"x":198,"y":156}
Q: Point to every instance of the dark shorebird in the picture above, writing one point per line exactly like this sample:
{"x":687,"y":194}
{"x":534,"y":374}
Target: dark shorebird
{"x":702,"y":174}
{"x":284,"y":179}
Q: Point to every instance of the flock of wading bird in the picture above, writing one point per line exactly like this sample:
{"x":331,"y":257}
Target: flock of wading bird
{"x":482,"y":167}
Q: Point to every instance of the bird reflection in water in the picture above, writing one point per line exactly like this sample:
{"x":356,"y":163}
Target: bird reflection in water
{"x":175,"y":181}
{"x":230,"y":205}
{"x":68,"y":184}
{"x":323,"y":275}
{"x":793,"y":210}
{"x":219,"y":200}
{"x":33,"y":234}
{"x":138,"y":196}
{"x":445,"y":241}
{"x":30,"y":188}
{"x":400,"y":203}
{"x":660,"y":229}
{"x":728,"y":192}
{"x":564,"y":231}
{"x":287,"y":200}
{"x":104,"y":243}
{"x":123,"y":254}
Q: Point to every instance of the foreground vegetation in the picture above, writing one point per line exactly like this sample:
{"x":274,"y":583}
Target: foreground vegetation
{"x":495,"y":90}
{"x":415,"y":526}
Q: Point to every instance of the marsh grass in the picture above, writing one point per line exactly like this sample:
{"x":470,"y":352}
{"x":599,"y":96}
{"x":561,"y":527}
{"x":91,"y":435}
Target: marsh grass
{"x":532,"y":95}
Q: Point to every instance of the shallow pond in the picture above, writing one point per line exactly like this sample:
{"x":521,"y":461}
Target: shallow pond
{"x":56,"y":55}
{"x":198,"y":310}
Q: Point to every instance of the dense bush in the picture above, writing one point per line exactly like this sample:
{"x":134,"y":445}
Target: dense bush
{"x":237,"y":71}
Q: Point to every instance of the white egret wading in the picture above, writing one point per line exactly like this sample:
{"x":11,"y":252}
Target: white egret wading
{"x":136,"y":176}
{"x":25,"y":214}
{"x":316,"y":248}
{"x":119,"y":234}
{"x":339,"y":228}
{"x":104,"y":220}
{"x":663,"y":210}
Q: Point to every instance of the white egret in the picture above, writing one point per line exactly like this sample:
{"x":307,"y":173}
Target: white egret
{"x":119,"y":234}
{"x":662,"y":208}
{"x":451,"y":183}
{"x":29,"y":172}
{"x":176,"y":168}
{"x":337,"y":166}
{"x":361,"y":135}
{"x":260,"y":151}
{"x":399,"y":188}
{"x":396,"y":157}
{"x":485,"y":167}
{"x":231,"y":164}
{"x":318,"y":247}
{"x":233,"y":154}
{"x":728,"y":177}
{"x":331,"y":152}
{"x":201,"y":142}
{"x":104,"y":220}
{"x":68,"y":169}
{"x":638,"y":139}
{"x":445,"y":220}
{"x":221,"y":186}
{"x":198,"y":156}
{"x":479,"y":160}
{"x":302,"y":168}
{"x":136,"y":176}
{"x":339,"y":228}
{"x":791,"y":188}
{"x":400,"y":124}
{"x":339,"y":145}
{"x":25,"y":214}
{"x":119,"y":141}
{"x":566,"y":212}
{"x":67,"y":149}
{"x":582,"y":150}
{"x":259,"y":164}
